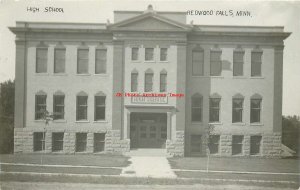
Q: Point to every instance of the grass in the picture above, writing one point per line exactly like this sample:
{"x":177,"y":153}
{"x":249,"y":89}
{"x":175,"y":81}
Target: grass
{"x":237,"y":164}
{"x":103,"y":160}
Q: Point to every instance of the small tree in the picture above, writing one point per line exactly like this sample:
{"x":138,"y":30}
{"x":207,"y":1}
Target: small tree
{"x":208,"y":132}
{"x":47,"y":117}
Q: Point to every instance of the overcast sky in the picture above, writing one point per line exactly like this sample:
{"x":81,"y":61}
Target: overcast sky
{"x":263,"y":13}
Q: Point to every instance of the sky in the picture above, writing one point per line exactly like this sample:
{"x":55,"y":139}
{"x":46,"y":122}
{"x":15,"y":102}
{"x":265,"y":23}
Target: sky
{"x":263,"y":13}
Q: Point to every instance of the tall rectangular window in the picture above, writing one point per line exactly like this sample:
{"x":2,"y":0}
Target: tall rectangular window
{"x":215,"y":63}
{"x":255,"y":142}
{"x":197,"y":108}
{"x":58,"y":107}
{"x":196,"y":144}
{"x":40,"y":106}
{"x":134,"y":82}
{"x":149,"y":54}
{"x":255,"y":111}
{"x":148,"y":82}
{"x":81,"y":105}
{"x":99,"y":142}
{"x":38,"y":141}
{"x":134,"y":54}
{"x":81,"y":139}
{"x":237,"y":144}
{"x":163,"y":54}
{"x":83,"y":61}
{"x":213,"y":144}
{"x":237,"y":110}
{"x":214,"y":109}
{"x":163,"y":82}
{"x":57,"y":142}
{"x":100,"y":62}
{"x":256,"y":63}
{"x":99,"y":108}
{"x":198,"y":63}
{"x":238,"y":63}
{"x":41,"y":60}
{"x":59,"y":60}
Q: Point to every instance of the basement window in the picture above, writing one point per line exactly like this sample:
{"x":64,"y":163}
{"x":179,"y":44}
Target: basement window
{"x":57,"y":142}
{"x":99,"y":142}
{"x":237,"y":144}
{"x":38,"y":141}
{"x":214,"y":141}
{"x":255,"y":142}
{"x":196,"y":143}
{"x":81,"y":139}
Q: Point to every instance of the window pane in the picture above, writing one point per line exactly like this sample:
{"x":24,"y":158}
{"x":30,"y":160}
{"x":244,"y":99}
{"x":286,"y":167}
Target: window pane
{"x":148,"y":82}
{"x":81,"y":108}
{"x":196,"y":108}
{"x":99,"y":108}
{"x":83,"y":61}
{"x":58,"y":107}
{"x":99,"y":142}
{"x":38,"y":141}
{"x":163,"y":54}
{"x":57,"y":141}
{"x":134,"y":82}
{"x":213,"y":144}
{"x":40,"y":106}
{"x":255,"y":110}
{"x":255,"y":142}
{"x":215,"y":63}
{"x":59,"y":62}
{"x":149,"y":54}
{"x":238,"y":63}
{"x":81,"y":142}
{"x":198,"y":63}
{"x":41,"y":60}
{"x":256,"y":63}
{"x":214,"y":106}
{"x":134,"y":54}
{"x":163,"y":82}
{"x":100,"y":62}
{"x":237,"y":110}
{"x":237,"y":144}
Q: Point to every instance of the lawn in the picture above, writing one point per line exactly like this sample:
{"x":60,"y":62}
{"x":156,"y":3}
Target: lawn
{"x":237,"y":164}
{"x":102,"y":160}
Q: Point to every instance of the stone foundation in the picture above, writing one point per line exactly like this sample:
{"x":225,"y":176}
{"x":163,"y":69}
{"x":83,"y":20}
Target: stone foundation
{"x":176,"y":147}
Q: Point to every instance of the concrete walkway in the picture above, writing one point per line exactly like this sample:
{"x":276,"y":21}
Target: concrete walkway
{"x":148,"y":166}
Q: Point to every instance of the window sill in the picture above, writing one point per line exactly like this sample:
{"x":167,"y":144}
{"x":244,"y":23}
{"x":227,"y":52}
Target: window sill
{"x":221,"y":77}
{"x":150,"y":61}
{"x":196,"y":123}
{"x":82,"y":121}
{"x":87,"y":74}
{"x":256,"y":124}
{"x":60,"y":121}
{"x":164,"y":61}
{"x":135,"y":61}
{"x":239,"y":77}
{"x":41,"y":74}
{"x":239,"y":124}
{"x":215,"y":123}
{"x":39,"y":121}
{"x":100,"y":121}
{"x":199,"y":76}
{"x":60,"y":74}
{"x":101,"y":75}
{"x":258,"y":77}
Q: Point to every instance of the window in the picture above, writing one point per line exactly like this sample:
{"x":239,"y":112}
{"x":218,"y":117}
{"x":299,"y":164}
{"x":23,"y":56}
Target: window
{"x":40,"y":106}
{"x":100,"y":108}
{"x":196,"y":143}
{"x":237,"y":144}
{"x":41,"y":60}
{"x":163,"y":132}
{"x":149,"y":54}
{"x":152,"y":132}
{"x":134,"y":81}
{"x":255,"y":107}
{"x":215,"y":63}
{"x":134,"y":54}
{"x":238,"y":63}
{"x":83,"y":61}
{"x":255,"y":142}
{"x":163,"y":54}
{"x":198,"y":63}
{"x":148,"y":82}
{"x":100,"y":62}
{"x":59,"y":60}
{"x":58,"y":107}
{"x":197,"y":103}
{"x":57,"y":142}
{"x":99,"y":142}
{"x":38,"y":141}
{"x":81,"y":105}
{"x":237,"y":110}
{"x":214,"y":109}
{"x":81,"y":139}
{"x":163,"y":82}
{"x":256,"y":63}
{"x":213,"y":144}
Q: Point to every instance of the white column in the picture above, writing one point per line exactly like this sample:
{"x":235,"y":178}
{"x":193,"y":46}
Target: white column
{"x":169,"y":125}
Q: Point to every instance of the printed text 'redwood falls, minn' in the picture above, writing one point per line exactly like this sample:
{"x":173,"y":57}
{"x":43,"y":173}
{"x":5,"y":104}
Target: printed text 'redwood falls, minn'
{"x":229,"y":13}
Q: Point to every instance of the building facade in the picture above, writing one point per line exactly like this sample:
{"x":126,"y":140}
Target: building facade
{"x":148,"y":80}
